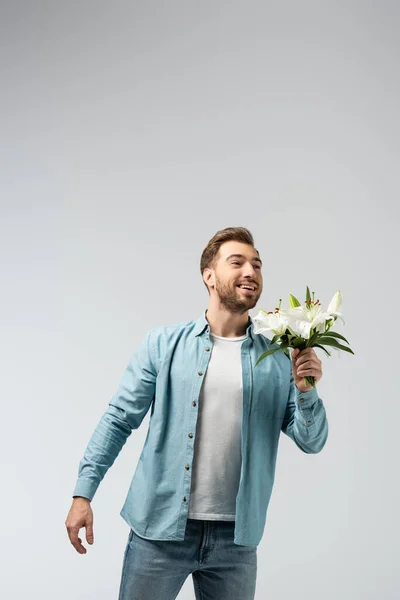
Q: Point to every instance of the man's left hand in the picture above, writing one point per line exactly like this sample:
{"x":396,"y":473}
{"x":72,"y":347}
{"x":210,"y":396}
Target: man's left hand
{"x":305,"y":362}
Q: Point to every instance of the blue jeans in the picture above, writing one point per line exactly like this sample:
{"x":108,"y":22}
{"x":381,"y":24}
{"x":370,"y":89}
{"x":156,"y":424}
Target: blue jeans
{"x":221,"y":570}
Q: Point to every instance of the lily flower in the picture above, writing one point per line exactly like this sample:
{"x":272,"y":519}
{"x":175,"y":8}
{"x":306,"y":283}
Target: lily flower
{"x":276,"y":322}
{"x":302,"y":326}
{"x":303,"y":319}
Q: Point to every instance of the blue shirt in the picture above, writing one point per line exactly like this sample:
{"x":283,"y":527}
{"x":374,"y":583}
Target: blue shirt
{"x":165,"y":375}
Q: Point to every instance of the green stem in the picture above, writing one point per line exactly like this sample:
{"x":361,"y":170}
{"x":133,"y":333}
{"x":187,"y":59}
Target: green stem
{"x":309,"y":379}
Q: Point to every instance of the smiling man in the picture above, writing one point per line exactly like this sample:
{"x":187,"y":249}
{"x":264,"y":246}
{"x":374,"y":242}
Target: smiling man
{"x":198,"y":499}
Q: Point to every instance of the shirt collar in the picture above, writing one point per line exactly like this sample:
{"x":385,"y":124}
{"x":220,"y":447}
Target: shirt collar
{"x":202,"y":323}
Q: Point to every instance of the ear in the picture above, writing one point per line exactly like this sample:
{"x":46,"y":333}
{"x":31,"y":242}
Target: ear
{"x":208,"y":276}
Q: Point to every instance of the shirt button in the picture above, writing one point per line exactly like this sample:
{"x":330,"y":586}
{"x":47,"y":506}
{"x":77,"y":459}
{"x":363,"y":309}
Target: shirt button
{"x":308,"y":421}
{"x":184,"y":498}
{"x":301,"y":399}
{"x":187,"y":467}
{"x":200,"y":372}
{"x":190,"y":435}
{"x":207,"y":349}
{"x":193,"y":403}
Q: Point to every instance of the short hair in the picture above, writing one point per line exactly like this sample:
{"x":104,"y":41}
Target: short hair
{"x":209,"y":256}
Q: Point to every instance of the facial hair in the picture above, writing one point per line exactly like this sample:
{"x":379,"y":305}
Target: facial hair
{"x":230,"y":297}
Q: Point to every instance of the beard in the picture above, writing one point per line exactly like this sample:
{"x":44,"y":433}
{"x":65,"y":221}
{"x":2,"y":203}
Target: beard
{"x":234,"y":300}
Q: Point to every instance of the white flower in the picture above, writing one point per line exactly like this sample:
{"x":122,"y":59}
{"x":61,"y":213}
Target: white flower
{"x":274,"y":321}
{"x":294,"y":326}
{"x":304,"y":318}
{"x":335,"y":304}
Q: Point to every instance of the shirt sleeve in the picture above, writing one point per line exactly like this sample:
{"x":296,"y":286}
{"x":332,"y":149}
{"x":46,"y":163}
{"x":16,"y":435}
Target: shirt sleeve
{"x":305,"y":420}
{"x":125,"y":412}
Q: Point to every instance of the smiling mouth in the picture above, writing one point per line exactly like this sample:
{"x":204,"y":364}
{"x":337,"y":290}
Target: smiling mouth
{"x":247,"y":290}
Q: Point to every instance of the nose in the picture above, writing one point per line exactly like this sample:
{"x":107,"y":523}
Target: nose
{"x":250,"y":271}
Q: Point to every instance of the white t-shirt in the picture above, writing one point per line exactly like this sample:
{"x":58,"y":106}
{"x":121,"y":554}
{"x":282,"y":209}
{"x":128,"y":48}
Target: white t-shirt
{"x":217,"y":448}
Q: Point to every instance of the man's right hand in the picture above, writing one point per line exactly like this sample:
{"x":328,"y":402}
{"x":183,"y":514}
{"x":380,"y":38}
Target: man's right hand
{"x":80,"y":515}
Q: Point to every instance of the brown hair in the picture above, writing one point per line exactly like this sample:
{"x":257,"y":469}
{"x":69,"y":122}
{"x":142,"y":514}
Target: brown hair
{"x":209,"y":255}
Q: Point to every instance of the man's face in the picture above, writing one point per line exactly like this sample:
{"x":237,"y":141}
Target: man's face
{"x":237,"y":264}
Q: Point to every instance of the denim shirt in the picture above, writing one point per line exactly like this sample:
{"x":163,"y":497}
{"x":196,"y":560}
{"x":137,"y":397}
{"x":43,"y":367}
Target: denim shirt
{"x":165,"y":375}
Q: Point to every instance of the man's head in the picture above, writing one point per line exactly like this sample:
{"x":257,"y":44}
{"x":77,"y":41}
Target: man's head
{"x":228,"y":261}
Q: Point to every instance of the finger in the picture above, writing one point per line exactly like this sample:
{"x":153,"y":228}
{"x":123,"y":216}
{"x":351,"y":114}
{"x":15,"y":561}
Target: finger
{"x":89,"y":533}
{"x":312,"y":360}
{"x":309,"y":372}
{"x":304,"y":372}
{"x":303,"y":354}
{"x":75,"y":540}
{"x":308,"y":364}
{"x":303,"y":361}
{"x":307,"y":351}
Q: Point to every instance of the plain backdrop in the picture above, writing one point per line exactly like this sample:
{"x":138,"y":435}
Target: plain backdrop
{"x":130,"y":132}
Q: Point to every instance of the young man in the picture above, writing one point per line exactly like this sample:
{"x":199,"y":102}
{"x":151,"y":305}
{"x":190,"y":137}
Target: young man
{"x":198,"y":499}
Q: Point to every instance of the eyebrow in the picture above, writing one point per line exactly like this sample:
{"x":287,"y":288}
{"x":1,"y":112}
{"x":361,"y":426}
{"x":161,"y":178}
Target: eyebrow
{"x":242,"y":256}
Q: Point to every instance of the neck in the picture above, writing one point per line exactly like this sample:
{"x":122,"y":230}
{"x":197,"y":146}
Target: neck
{"x":227,"y":324}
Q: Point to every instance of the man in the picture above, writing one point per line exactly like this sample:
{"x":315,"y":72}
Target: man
{"x":198,"y":499}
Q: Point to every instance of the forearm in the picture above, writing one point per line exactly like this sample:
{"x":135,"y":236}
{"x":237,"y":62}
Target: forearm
{"x":125,"y":412}
{"x":103,"y":448}
{"x":305,"y":421}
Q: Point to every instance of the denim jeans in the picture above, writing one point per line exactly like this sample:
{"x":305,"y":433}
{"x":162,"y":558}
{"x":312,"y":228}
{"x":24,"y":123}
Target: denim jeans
{"x":220,"y":569}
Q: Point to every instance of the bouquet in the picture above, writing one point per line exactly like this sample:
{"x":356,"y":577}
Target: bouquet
{"x":302,"y":327}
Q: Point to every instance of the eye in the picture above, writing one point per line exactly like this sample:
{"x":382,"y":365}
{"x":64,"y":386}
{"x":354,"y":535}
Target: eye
{"x":238,"y":263}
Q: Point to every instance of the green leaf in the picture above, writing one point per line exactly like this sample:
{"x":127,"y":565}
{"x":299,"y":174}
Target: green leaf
{"x":329,"y":341}
{"x":324,"y":349}
{"x":312,"y":339}
{"x":296,"y":342}
{"x":275,"y":338}
{"x":335,"y":334}
{"x":308,"y":295}
{"x":267,"y":353}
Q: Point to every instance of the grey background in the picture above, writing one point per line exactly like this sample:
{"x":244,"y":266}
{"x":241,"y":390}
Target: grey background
{"x":130,"y":133}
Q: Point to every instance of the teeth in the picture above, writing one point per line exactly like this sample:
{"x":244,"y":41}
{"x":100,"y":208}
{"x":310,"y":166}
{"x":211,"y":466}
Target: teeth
{"x":246,"y":287}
